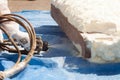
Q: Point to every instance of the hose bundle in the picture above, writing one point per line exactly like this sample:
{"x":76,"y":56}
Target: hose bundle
{"x":19,"y":65}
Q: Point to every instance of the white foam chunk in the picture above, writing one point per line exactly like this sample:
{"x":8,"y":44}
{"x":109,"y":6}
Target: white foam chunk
{"x":99,"y":17}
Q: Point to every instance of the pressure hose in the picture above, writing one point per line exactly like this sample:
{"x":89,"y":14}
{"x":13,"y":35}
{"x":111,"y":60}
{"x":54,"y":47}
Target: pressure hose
{"x":20,"y":64}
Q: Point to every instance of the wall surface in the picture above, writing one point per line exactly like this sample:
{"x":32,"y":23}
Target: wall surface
{"x":19,"y":5}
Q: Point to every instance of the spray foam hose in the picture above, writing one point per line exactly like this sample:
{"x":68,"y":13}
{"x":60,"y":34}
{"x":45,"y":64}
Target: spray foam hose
{"x":19,"y":65}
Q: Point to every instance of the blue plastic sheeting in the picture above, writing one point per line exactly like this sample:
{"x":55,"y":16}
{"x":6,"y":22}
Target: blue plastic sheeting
{"x":60,"y":61}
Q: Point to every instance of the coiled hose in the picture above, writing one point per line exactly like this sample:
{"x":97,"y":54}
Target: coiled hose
{"x":19,"y":65}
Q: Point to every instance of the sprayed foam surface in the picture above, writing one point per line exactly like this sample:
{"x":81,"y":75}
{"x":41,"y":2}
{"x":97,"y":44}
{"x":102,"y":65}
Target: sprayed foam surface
{"x":91,"y":15}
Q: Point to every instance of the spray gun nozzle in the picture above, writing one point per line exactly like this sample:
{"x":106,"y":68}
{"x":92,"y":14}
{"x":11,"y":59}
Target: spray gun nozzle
{"x":45,"y":46}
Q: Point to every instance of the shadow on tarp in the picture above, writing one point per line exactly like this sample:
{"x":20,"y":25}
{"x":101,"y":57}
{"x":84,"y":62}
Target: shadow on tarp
{"x":75,"y":64}
{"x":50,"y":30}
{"x":59,"y":44}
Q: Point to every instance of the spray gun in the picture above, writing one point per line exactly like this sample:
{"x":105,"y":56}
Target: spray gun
{"x":40,"y":46}
{"x":19,"y":42}
{"x":21,"y":38}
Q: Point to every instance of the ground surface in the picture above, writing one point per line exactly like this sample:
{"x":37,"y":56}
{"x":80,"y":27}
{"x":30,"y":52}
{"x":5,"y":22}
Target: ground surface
{"x":19,"y":5}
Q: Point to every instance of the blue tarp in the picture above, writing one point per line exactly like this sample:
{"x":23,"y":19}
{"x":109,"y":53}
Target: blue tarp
{"x":60,"y":61}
